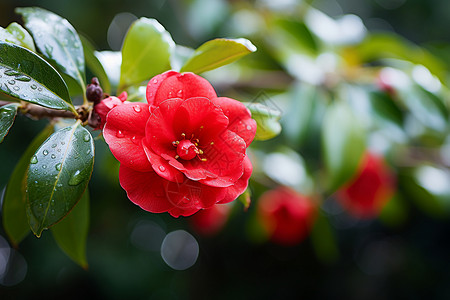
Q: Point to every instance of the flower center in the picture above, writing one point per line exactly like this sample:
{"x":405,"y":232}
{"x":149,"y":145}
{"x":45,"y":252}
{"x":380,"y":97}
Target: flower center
{"x":188,"y":149}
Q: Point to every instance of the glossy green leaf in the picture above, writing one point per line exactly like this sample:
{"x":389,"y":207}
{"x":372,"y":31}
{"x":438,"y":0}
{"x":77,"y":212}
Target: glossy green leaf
{"x":58,"y":175}
{"x":217,"y":53}
{"x":343,"y":143}
{"x":26,"y":76}
{"x":15,"y":221}
{"x":71,"y":232}
{"x":382,"y":46}
{"x":7,"y":115}
{"x":145,"y":53}
{"x":93,"y":63}
{"x":57,"y":40}
{"x":16,"y":34}
{"x":267,"y":120}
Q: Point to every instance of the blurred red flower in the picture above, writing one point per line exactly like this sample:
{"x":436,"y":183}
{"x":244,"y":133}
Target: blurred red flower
{"x":210,"y":221}
{"x":286,"y":215}
{"x":185,"y":149}
{"x":372,"y":187}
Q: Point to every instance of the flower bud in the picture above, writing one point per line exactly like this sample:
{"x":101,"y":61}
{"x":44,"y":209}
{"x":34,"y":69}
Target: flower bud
{"x":94,"y":92}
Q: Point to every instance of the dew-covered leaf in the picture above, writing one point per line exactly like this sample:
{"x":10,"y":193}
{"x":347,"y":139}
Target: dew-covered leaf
{"x":26,"y":76}
{"x":16,"y":34}
{"x":57,"y":40}
{"x":58,"y":175}
{"x":7,"y":115}
{"x":15,"y":220}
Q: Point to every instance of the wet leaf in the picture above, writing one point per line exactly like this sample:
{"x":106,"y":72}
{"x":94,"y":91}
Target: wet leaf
{"x":16,"y":34}
{"x":15,"y":220}
{"x":7,"y":115}
{"x":57,"y":40}
{"x":58,"y":175}
{"x":26,"y":76}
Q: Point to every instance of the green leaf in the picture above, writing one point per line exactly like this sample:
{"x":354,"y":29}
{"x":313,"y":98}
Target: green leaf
{"x":26,"y":76}
{"x":71,"y":232}
{"x":145,"y":53}
{"x":7,"y":115}
{"x":15,"y":221}
{"x":58,"y":175}
{"x":57,"y":40}
{"x":382,"y":46}
{"x":217,"y":53}
{"x":343,"y":142}
{"x":267,"y":120}
{"x":93,"y":63}
{"x":16,"y":34}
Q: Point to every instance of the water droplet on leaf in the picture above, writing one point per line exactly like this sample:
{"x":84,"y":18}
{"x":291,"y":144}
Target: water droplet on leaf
{"x":76,"y":178}
{"x":34,"y":160}
{"x":12,"y":81}
{"x":33,"y":86}
{"x":86,"y":138}
{"x":53,"y":156}
{"x":58,"y":167}
{"x":45,"y":152}
{"x":44,"y":167}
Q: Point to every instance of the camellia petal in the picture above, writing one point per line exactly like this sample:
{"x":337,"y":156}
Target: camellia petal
{"x":240,"y":118}
{"x":241,"y":185}
{"x":145,"y":189}
{"x":162,"y":166}
{"x":124,"y":131}
{"x":175,"y":85}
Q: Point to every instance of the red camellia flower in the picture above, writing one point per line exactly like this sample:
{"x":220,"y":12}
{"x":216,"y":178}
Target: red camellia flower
{"x":185,"y":149}
{"x":210,"y":221}
{"x":370,"y":190}
{"x":102,"y":109}
{"x":286,"y":215}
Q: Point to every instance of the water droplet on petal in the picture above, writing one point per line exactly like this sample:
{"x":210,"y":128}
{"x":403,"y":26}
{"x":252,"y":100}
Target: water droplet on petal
{"x":155,"y":81}
{"x":76,"y":178}
{"x":170,"y":95}
{"x":180,"y":94}
{"x":135,"y":140}
{"x":34,"y":160}
{"x":150,"y":94}
{"x":119,"y":134}
{"x":87,"y":138}
{"x":45,"y":152}
{"x":137,"y":108}
{"x":162,"y":168}
{"x":249,"y":127}
{"x":58,"y":167}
